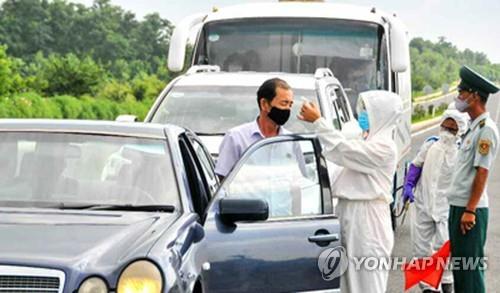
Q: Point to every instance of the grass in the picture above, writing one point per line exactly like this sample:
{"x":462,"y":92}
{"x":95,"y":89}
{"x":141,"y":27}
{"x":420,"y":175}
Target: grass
{"x":436,"y":94}
{"x":421,"y":118}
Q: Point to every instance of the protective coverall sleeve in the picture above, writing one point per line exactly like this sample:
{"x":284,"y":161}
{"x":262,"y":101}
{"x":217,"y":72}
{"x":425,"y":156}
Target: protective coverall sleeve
{"x":359,"y":155}
{"x":422,"y":153}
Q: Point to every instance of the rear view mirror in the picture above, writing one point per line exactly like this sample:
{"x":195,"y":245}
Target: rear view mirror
{"x":351,"y":130}
{"x":234,"y":210}
{"x":400,"y":49}
{"x":179,"y":39}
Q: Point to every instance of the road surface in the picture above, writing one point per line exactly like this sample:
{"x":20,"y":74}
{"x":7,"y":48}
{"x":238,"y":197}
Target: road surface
{"x":403,"y":236}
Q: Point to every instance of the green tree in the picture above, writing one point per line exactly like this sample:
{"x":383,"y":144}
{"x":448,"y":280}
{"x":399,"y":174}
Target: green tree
{"x":435,"y":64}
{"x":65,"y":75}
{"x":146,"y":87}
{"x":116,"y":91}
{"x":104,"y":31}
{"x":24,"y":27}
{"x":10,"y":80}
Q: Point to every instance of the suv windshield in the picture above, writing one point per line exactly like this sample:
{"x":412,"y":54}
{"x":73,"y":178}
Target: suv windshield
{"x":216,"y":109}
{"x":42,"y":169}
{"x":355,"y":51}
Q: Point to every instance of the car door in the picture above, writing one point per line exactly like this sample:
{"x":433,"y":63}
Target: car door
{"x":279,"y":254}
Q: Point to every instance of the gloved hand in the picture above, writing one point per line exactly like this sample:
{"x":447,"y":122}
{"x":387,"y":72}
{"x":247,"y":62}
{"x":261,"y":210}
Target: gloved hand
{"x":408,"y":193}
{"x":410,"y":182}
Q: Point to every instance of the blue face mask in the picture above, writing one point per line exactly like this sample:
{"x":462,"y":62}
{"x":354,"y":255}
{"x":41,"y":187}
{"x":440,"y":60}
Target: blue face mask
{"x":363,"y":121}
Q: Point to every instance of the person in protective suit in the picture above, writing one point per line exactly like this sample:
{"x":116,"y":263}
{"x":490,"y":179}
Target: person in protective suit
{"x":430,"y":174}
{"x":364,"y":186}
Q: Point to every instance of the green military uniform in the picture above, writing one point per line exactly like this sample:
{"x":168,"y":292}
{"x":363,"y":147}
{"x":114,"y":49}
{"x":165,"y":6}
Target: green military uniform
{"x":478,"y":149}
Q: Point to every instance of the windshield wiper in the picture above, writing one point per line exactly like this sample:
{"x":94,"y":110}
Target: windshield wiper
{"x":116,"y":207}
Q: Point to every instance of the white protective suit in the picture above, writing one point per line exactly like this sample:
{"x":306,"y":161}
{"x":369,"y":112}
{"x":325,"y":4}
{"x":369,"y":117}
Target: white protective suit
{"x":437,"y":160}
{"x":364,"y":188}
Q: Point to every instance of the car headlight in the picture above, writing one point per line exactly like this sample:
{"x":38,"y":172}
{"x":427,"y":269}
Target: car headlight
{"x":93,"y":285}
{"x":140,"y":277}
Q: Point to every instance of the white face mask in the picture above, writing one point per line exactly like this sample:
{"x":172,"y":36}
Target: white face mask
{"x":447,"y":137}
{"x":461,"y":105}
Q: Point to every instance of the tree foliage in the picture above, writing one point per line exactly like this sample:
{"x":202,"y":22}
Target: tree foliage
{"x":103,"y":31}
{"x":10,"y":79}
{"x":65,"y":60}
{"x":436,"y":64}
{"x":59,"y":75}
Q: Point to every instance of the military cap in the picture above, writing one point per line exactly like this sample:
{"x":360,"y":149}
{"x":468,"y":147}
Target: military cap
{"x":472,"y":81}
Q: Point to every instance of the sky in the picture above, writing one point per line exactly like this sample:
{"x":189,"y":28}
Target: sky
{"x":472,"y":24}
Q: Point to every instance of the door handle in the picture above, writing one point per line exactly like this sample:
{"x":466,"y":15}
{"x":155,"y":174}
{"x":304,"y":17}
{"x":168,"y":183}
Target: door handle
{"x":324,"y":238}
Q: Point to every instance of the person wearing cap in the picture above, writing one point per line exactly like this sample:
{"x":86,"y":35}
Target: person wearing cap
{"x":467,"y":196}
{"x":430,"y":174}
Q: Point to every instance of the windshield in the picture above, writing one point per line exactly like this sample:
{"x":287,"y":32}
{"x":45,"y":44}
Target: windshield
{"x":355,"y":51}
{"x":216,"y":109}
{"x":44,"y":169}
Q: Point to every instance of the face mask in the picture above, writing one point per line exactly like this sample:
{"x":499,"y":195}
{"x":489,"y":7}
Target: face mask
{"x":279,"y":116}
{"x":447,"y":137}
{"x":461,"y":105}
{"x":363,"y":121}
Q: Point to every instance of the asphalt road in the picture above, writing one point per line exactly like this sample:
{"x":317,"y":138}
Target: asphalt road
{"x":403,"y":236}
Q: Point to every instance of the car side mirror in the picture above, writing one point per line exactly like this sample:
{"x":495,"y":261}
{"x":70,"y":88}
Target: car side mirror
{"x":234,"y":210}
{"x":351,"y":130}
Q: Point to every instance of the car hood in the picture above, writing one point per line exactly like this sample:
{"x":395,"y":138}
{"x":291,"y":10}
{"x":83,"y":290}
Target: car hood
{"x":77,"y":238}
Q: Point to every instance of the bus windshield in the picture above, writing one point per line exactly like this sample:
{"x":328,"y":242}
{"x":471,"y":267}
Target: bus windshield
{"x":355,"y":51}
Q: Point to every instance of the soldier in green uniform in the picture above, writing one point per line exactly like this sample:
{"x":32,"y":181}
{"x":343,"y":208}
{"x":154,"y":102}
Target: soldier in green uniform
{"x":468,"y":219}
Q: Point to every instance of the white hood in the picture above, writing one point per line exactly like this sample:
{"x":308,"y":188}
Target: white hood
{"x":384,"y":110}
{"x":462,"y":119}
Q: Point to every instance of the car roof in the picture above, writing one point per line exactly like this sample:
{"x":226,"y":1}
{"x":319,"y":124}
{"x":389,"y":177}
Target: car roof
{"x":251,"y":79}
{"x":299,"y":10}
{"x":135,"y":129}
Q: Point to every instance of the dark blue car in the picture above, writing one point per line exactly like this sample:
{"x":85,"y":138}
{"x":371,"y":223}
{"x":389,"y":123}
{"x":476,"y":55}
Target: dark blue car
{"x":94,"y":207}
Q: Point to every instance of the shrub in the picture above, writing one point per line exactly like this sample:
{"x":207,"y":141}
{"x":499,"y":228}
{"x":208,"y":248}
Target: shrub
{"x":116,"y":91}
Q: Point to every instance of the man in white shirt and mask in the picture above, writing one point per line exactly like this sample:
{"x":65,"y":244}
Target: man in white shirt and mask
{"x":430,"y":174}
{"x":364,"y":185}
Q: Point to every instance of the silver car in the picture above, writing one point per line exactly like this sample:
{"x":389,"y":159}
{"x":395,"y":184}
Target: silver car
{"x":210,"y":102}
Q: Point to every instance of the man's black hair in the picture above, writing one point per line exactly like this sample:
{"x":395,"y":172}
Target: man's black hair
{"x":483,"y":99}
{"x":268,"y":89}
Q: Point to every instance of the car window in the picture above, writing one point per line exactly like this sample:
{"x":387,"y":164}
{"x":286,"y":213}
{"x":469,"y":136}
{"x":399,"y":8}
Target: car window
{"x":196,"y":180}
{"x":336,"y":111}
{"x":206,"y":166}
{"x":285,"y":175}
{"x":339,"y":105}
{"x":342,"y":104}
{"x":93,"y":169}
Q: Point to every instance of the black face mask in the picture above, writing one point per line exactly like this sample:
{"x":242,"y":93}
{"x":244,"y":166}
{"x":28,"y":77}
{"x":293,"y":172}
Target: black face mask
{"x":279,"y":116}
